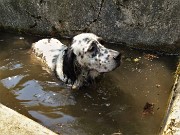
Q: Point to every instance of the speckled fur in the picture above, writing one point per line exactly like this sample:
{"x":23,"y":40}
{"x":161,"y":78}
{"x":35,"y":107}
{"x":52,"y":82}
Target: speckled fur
{"x":85,"y":59}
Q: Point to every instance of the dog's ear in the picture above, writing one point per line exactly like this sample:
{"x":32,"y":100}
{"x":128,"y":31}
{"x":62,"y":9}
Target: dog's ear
{"x":70,"y":56}
{"x":69,"y":68}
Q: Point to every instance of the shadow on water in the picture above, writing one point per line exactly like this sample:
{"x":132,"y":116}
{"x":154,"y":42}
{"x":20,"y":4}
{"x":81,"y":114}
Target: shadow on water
{"x":113,"y":105}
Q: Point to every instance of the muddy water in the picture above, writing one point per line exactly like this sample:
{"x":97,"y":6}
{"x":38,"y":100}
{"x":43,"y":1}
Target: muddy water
{"x":113,"y":105}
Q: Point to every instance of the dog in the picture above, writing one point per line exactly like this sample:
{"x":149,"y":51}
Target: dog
{"x":79,"y":63}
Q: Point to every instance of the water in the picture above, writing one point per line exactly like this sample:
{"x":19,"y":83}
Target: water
{"x":112,"y":106}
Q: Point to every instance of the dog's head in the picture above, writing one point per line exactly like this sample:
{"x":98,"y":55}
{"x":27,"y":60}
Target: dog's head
{"x":91,"y":54}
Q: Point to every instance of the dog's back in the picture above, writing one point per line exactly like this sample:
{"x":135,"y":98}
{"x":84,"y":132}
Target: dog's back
{"x":48,"y":50}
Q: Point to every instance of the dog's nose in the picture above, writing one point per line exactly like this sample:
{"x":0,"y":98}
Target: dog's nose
{"x":117,"y":57}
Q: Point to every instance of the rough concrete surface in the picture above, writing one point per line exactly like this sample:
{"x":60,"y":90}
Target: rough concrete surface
{"x":150,"y":24}
{"x":13,"y":123}
{"x":172,"y":118}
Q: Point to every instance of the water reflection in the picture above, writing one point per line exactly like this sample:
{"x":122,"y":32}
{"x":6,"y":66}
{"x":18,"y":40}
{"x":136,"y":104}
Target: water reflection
{"x":11,"y":82}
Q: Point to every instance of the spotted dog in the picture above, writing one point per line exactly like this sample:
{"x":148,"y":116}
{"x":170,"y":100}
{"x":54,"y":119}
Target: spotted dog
{"x":79,"y":63}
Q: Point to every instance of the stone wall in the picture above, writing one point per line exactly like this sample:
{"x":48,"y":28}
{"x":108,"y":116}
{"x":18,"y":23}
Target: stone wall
{"x":147,"y":24}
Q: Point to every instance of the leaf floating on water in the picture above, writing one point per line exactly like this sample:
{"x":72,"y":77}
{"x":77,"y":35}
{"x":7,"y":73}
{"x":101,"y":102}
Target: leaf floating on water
{"x":117,"y":134}
{"x":136,"y":59}
{"x":150,"y":56}
{"x":158,"y":85}
{"x":128,"y":59}
{"x":148,"y":109}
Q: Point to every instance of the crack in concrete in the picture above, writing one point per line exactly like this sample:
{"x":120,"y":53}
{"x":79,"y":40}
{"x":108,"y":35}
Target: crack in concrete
{"x":33,"y":25}
{"x":99,"y":13}
{"x":33,"y":16}
{"x":36,"y":18}
{"x":88,"y":24}
{"x":96,"y":19}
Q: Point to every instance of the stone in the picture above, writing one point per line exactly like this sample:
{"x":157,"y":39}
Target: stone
{"x":149,"y":24}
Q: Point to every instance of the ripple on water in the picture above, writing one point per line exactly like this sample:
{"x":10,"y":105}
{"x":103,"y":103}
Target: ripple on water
{"x":36,"y":94}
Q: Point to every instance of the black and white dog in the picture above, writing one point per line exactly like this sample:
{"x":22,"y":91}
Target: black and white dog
{"x":84,"y":60}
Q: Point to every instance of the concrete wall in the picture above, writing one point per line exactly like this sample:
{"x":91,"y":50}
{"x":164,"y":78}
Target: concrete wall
{"x":150,"y":24}
{"x":171,"y":124}
{"x":13,"y":123}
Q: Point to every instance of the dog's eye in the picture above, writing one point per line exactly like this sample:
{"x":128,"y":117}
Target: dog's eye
{"x":92,"y":48}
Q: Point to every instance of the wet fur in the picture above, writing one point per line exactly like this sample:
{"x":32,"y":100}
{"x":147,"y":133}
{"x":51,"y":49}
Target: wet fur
{"x":80,"y":63}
